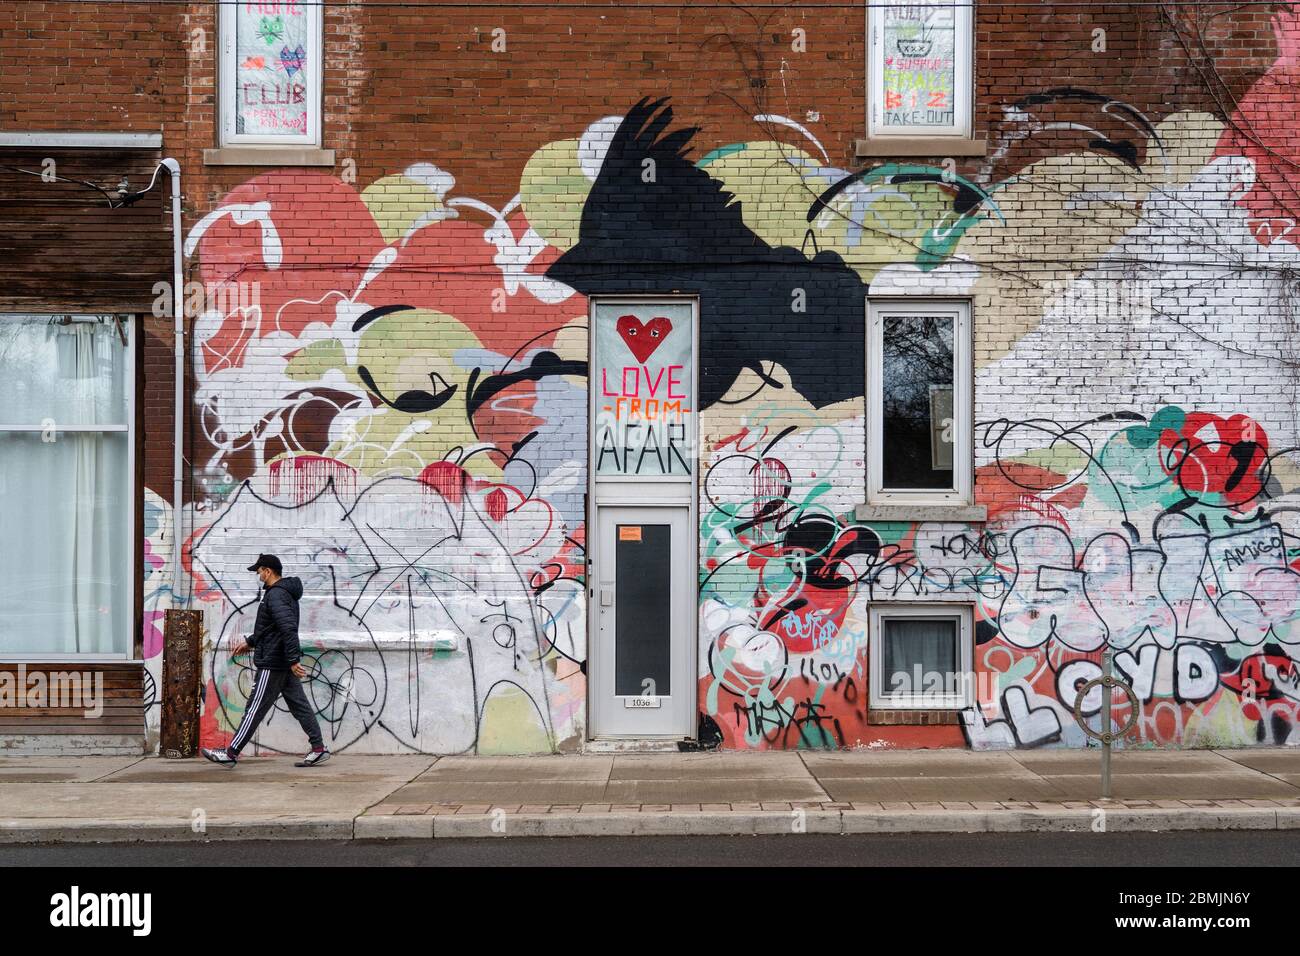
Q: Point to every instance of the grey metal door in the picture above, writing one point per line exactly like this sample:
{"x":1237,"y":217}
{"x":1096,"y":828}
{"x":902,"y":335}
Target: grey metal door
{"x":641,"y":685}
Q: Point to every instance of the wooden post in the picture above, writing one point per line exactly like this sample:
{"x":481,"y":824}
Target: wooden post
{"x":181,"y":681}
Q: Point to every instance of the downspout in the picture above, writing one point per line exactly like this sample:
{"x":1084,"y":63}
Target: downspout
{"x":178,"y":412}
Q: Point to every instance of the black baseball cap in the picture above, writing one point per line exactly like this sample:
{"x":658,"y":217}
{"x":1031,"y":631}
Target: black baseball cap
{"x":267,"y":561}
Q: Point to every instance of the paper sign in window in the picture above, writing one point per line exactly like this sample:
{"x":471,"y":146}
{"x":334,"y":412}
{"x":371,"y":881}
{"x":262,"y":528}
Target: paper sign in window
{"x":274,"y":61}
{"x":644,"y":383}
{"x":919,"y":65}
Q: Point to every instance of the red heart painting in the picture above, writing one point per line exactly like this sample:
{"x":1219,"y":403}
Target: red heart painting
{"x":643,"y":339}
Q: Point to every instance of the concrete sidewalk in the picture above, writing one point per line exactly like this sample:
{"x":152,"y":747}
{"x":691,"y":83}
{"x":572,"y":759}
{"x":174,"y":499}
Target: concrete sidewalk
{"x":52,"y":799}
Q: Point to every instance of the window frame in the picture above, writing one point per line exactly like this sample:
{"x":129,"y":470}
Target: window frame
{"x":963,"y":76}
{"x":880,"y":699}
{"x":128,"y":545}
{"x":228,"y":54}
{"x":963,"y":452}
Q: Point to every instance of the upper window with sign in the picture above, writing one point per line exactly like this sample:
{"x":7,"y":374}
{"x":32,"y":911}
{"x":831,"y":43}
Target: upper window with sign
{"x":270,"y":73}
{"x":919,"y":80}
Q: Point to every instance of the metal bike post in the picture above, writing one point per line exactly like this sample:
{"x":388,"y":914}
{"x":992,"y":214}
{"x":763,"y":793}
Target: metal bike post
{"x":1107,"y":715}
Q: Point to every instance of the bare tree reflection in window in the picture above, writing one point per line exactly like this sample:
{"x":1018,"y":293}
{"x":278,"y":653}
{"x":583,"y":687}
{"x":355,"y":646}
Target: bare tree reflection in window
{"x":917,"y":383}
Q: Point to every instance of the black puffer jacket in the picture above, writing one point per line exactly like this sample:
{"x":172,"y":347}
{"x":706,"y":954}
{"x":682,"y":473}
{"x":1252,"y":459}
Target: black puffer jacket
{"x":275,"y":632}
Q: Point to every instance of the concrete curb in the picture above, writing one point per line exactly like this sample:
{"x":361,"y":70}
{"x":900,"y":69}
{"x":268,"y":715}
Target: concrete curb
{"x":408,"y":827}
{"x":632,"y":824}
{"x":690,"y":823}
{"x":154,"y":831}
{"x":456,"y":825}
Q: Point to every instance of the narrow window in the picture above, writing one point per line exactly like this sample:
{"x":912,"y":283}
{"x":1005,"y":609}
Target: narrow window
{"x":270,"y":73}
{"x":919,"y":79}
{"x":918,"y":427}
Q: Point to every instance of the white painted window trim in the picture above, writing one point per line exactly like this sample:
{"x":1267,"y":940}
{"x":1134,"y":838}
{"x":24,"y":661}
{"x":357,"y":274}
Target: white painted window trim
{"x":963,"y":76}
{"x":128,"y":544}
{"x":963,"y":452}
{"x":883,"y":699}
{"x":227,"y":87}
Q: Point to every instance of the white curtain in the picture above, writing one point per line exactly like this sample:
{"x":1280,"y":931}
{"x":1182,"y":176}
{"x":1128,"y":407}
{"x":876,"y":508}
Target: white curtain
{"x":65,"y":576}
{"x":90,"y":545}
{"x":918,"y":648}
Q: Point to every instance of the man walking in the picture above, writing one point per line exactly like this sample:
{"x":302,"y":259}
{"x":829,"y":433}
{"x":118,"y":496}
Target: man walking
{"x":277,"y":657}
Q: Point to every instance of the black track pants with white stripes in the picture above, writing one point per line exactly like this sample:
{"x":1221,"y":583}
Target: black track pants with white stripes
{"x":268,"y":685}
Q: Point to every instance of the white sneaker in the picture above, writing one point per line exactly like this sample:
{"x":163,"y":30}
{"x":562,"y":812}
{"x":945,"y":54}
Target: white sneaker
{"x":220,"y":755}
{"x":313,"y":758}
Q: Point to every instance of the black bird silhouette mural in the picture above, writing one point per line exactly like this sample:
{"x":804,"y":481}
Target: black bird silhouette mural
{"x":655,"y":222}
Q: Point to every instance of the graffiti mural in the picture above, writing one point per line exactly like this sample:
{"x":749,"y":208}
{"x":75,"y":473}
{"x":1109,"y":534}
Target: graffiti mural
{"x":408,"y":436}
{"x":1152,"y":537}
{"x":1116,"y":521}
{"x":398,"y":409}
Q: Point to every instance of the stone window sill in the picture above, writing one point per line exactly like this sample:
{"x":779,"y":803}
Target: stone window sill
{"x":919,"y":146}
{"x":914,"y":718}
{"x":268,"y":156}
{"x":919,"y":512}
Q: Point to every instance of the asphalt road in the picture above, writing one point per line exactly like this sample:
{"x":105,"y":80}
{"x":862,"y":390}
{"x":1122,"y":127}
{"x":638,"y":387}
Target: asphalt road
{"x":1184,"y":848}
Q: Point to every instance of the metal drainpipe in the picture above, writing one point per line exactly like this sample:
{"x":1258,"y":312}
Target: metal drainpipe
{"x":178,"y":412}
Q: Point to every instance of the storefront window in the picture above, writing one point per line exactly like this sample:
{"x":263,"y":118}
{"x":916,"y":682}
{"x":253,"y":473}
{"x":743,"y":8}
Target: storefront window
{"x":65,"y":486}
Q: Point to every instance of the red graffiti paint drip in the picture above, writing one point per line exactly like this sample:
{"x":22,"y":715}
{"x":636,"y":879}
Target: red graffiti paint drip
{"x":310,"y":473}
{"x":447,"y":478}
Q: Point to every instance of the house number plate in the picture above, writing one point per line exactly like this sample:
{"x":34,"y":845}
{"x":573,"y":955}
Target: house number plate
{"x":641,"y":701}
